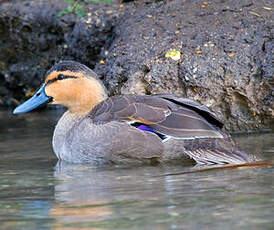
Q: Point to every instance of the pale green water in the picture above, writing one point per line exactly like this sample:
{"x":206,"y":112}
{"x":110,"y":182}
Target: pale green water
{"x":35,"y":193}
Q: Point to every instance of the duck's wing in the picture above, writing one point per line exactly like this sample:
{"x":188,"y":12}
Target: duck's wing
{"x":178,"y":118}
{"x":201,"y":109}
{"x":165,"y":114}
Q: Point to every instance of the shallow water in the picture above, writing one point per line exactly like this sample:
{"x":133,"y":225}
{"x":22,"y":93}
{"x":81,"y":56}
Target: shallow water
{"x":37,"y":192}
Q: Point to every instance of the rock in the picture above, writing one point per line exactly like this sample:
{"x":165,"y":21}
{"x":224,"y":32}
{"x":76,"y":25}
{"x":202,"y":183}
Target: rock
{"x":226,"y":57}
{"x":225,"y":61}
{"x":33,"y":38}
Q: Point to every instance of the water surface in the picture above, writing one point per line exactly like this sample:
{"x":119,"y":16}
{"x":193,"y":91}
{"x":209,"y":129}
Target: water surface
{"x":37,"y":192}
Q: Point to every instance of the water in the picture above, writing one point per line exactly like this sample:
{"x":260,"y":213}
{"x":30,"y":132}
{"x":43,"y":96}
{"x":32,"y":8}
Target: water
{"x":37,"y":192}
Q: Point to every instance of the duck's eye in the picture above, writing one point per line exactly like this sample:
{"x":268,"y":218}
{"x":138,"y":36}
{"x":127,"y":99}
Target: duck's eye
{"x":60,"y":77}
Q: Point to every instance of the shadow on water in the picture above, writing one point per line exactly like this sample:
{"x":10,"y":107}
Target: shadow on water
{"x":37,"y":192}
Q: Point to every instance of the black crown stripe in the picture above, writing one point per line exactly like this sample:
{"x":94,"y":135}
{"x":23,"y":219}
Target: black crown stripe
{"x":59,"y":78}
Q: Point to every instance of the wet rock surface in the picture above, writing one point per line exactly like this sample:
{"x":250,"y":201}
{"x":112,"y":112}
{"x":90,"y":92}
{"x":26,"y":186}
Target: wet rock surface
{"x":226,"y":51}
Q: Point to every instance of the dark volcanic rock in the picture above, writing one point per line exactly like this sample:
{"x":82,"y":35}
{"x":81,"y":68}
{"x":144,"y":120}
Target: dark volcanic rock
{"x":226,"y":51}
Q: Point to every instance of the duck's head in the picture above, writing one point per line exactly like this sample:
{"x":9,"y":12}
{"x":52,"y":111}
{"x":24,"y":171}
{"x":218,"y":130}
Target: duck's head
{"x":70,"y":84}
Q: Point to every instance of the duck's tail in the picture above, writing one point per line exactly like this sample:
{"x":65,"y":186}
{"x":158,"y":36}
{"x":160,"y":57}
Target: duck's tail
{"x":217,"y":156}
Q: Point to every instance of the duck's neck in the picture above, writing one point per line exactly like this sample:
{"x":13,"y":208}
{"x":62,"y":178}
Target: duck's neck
{"x":64,"y":125}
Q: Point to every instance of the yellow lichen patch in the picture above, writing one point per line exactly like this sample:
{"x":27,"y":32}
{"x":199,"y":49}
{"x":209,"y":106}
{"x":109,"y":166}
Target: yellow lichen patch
{"x":173,"y":54}
{"x":204,"y":5}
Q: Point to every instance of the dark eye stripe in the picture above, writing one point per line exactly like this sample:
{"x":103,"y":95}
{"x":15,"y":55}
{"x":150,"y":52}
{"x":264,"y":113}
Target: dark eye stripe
{"x":59,"y":78}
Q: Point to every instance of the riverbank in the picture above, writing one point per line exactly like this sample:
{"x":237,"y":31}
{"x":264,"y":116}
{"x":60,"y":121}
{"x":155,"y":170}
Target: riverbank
{"x":225,"y":51}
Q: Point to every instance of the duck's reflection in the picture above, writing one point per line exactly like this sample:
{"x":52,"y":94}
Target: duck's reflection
{"x":107,"y":198}
{"x":90,"y":196}
{"x":78,"y":196}
{"x":98,"y":197}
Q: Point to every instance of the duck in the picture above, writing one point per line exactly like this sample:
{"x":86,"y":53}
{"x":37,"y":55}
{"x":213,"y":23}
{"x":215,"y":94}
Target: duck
{"x":129,"y":129}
